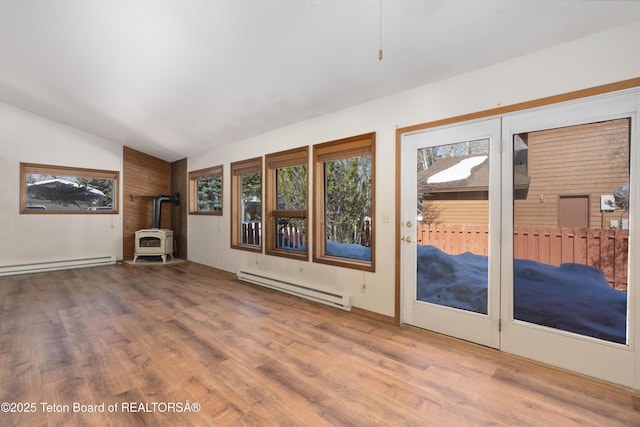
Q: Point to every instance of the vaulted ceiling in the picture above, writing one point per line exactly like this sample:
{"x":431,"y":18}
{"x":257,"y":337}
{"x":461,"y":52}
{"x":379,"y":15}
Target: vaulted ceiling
{"x":175,"y":78}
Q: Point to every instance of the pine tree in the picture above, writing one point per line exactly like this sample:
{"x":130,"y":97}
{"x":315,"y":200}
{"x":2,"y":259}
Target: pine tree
{"x":210,"y":193}
{"x":348,"y":197}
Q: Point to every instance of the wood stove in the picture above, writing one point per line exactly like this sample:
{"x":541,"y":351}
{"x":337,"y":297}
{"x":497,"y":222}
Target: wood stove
{"x":154,"y":242}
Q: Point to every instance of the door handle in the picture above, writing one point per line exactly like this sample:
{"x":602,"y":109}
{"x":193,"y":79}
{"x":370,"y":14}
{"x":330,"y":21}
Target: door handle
{"x":409,"y":239}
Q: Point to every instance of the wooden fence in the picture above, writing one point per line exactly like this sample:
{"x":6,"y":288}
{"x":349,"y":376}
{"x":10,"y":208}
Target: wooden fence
{"x":600,"y":248}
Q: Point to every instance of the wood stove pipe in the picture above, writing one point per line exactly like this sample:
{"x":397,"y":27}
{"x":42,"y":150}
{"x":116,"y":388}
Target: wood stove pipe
{"x":157,"y":207}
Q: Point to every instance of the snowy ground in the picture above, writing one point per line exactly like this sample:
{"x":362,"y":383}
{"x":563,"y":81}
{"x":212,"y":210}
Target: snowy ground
{"x":572,"y":297}
{"x":348,"y":250}
{"x":342,"y":250}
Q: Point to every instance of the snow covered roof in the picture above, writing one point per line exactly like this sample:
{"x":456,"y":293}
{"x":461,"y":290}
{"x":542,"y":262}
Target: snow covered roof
{"x":58,"y":182}
{"x":460,"y":170}
{"x":449,"y":175}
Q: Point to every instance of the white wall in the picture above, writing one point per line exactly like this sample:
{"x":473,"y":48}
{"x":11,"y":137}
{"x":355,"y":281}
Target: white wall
{"x":603,"y":58}
{"x":25,"y":137}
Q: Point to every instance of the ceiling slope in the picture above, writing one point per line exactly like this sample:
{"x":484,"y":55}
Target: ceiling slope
{"x":176,"y":78}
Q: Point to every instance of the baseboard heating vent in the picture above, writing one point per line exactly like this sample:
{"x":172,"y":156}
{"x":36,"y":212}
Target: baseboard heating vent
{"x":39,"y":267}
{"x":326,"y":296}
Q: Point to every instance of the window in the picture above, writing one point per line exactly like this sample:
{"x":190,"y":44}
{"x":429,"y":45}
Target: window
{"x":286,"y":203}
{"x":578,"y":206}
{"x":344,"y":189}
{"x":205,"y":191}
{"x":46,"y":189}
{"x":246,"y":205}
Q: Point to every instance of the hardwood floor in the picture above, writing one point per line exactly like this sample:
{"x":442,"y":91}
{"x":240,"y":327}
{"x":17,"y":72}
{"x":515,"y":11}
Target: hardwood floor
{"x":140,"y":339}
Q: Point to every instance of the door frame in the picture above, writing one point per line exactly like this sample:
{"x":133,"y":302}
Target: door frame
{"x":631,"y":85}
{"x":579,"y":353}
{"x":482,"y":328}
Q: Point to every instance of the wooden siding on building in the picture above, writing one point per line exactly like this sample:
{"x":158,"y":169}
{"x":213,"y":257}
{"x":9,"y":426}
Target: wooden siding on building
{"x":583,"y":160}
{"x":457,"y":212}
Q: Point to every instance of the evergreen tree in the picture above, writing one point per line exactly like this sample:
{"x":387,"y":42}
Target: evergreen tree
{"x":104,"y":185}
{"x":291,"y":187}
{"x":251,"y":186}
{"x":348,"y":197}
{"x":252,"y":195}
{"x":210,"y":193}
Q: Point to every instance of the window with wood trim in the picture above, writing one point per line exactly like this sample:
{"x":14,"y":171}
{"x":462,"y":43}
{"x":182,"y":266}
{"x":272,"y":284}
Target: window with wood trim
{"x":286,"y":203}
{"x":344,"y":202}
{"x":205,"y":191}
{"x":246,"y":205}
{"x":48,"y":189}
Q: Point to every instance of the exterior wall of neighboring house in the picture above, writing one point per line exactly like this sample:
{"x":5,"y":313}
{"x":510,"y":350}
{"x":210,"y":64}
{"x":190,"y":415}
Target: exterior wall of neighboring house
{"x":455,"y":212}
{"x":572,"y":163}
{"x":584,"y":160}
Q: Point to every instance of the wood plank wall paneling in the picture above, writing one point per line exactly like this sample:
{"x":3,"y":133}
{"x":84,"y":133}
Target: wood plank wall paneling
{"x":179,"y":214}
{"x":143,"y":175}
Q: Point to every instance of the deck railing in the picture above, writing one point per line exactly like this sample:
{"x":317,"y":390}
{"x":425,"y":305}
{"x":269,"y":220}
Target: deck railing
{"x":289,"y":236}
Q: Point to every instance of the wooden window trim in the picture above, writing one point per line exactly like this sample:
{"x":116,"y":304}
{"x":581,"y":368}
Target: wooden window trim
{"x":238,"y":169}
{"x":28,"y":168}
{"x":196,"y":175}
{"x":274,"y":161}
{"x":343,"y":148}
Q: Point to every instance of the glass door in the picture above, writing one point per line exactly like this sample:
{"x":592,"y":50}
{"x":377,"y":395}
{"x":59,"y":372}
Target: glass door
{"x":518,"y":233}
{"x":450,"y":238}
{"x":568,"y":215}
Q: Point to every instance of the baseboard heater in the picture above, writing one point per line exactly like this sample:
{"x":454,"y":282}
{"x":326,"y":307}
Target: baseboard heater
{"x":326,"y":296}
{"x":39,"y":267}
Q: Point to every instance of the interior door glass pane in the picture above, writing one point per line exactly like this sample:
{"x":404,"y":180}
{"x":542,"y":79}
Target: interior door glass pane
{"x":453,"y":231}
{"x":571,"y":228}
